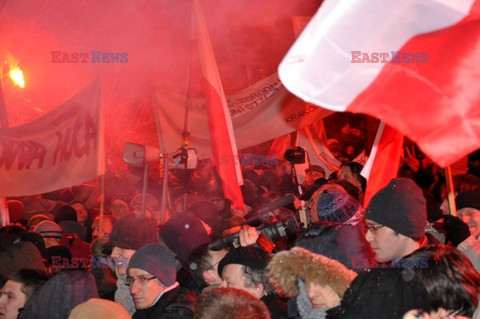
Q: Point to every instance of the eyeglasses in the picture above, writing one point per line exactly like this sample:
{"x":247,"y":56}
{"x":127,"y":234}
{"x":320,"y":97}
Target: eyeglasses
{"x":142,"y":280}
{"x":211,"y":267}
{"x":374,"y":229}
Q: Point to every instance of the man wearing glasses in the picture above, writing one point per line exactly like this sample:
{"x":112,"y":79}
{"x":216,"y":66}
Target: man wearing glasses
{"x":396,"y":218}
{"x":152,"y":279}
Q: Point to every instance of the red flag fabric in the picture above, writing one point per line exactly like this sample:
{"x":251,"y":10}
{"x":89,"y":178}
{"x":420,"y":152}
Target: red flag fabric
{"x":420,"y":75}
{"x":384,"y":160}
{"x":219,"y":122}
{"x":65,"y":147}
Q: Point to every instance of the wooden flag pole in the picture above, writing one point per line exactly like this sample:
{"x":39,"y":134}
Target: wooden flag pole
{"x":451,"y":191}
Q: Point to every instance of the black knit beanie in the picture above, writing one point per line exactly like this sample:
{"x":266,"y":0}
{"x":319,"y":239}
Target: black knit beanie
{"x":400,"y":206}
{"x":157,"y":260}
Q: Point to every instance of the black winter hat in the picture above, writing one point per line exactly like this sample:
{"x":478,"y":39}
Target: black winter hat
{"x":182,"y":233}
{"x":381,"y":293}
{"x":251,"y":256}
{"x":157,"y":260}
{"x":131,"y":232}
{"x":66,"y":212}
{"x":400,"y":206}
{"x":468,"y":199}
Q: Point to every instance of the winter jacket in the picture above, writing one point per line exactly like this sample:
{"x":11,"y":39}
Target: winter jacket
{"x":174,"y":304}
{"x":59,"y":295}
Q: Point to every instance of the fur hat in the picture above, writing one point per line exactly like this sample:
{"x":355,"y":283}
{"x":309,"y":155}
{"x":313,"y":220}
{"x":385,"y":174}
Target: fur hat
{"x":287,"y":266}
{"x":157,"y":260}
{"x":131,"y":232}
{"x":400,"y":206}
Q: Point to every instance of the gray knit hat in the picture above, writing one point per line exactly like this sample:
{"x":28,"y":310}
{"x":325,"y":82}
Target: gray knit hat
{"x":157,"y":260}
{"x":400,"y":206}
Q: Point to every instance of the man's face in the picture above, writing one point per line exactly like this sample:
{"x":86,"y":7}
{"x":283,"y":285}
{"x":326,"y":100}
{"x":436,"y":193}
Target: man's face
{"x":312,"y":176}
{"x":145,"y":288}
{"x":215,"y":258}
{"x":233,"y":277}
{"x":11,"y":300}
{"x":346,"y":173}
{"x":471,"y":217}
{"x":119,"y":209}
{"x":82,"y":214}
{"x":386,"y":244}
{"x":122,"y":257}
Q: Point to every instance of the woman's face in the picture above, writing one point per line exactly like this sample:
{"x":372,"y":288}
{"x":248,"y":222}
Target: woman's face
{"x":322,"y":296}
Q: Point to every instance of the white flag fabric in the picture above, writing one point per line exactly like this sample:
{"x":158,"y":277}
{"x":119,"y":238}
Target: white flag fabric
{"x":63,"y":148}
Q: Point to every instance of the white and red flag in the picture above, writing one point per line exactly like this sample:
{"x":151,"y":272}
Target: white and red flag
{"x":222,"y":138}
{"x":65,"y":147}
{"x":413,"y":64}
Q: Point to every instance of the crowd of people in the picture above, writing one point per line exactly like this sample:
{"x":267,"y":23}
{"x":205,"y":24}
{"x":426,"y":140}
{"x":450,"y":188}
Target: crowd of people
{"x":324,"y":254}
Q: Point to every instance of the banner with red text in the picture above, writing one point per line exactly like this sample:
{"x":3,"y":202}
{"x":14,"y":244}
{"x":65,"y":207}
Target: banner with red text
{"x":63,"y":148}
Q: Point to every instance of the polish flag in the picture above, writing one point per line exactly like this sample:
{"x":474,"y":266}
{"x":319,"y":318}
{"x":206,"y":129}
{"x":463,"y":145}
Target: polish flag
{"x":384,"y":160}
{"x":413,"y":64}
{"x":219,"y":122}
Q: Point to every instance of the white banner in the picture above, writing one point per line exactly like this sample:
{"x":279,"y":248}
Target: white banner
{"x":261,"y":112}
{"x":63,"y":148}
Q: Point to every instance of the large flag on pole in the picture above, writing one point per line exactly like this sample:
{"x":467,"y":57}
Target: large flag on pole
{"x":219,"y":122}
{"x":413,"y":64}
{"x":65,"y":147}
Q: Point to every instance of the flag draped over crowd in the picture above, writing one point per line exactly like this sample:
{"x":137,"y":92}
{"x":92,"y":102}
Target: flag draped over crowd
{"x":63,"y":148}
{"x":413,"y":64}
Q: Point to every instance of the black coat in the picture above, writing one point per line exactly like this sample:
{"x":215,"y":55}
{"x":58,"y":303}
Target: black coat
{"x":174,"y":304}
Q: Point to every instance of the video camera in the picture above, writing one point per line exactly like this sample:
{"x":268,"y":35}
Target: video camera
{"x":281,"y":229}
{"x":284,"y":228}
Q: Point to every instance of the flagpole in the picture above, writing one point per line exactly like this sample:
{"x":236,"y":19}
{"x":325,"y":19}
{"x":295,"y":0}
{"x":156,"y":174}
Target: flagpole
{"x":4,"y":214}
{"x":163,"y":157}
{"x":451,"y":191}
{"x":102,"y":204}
